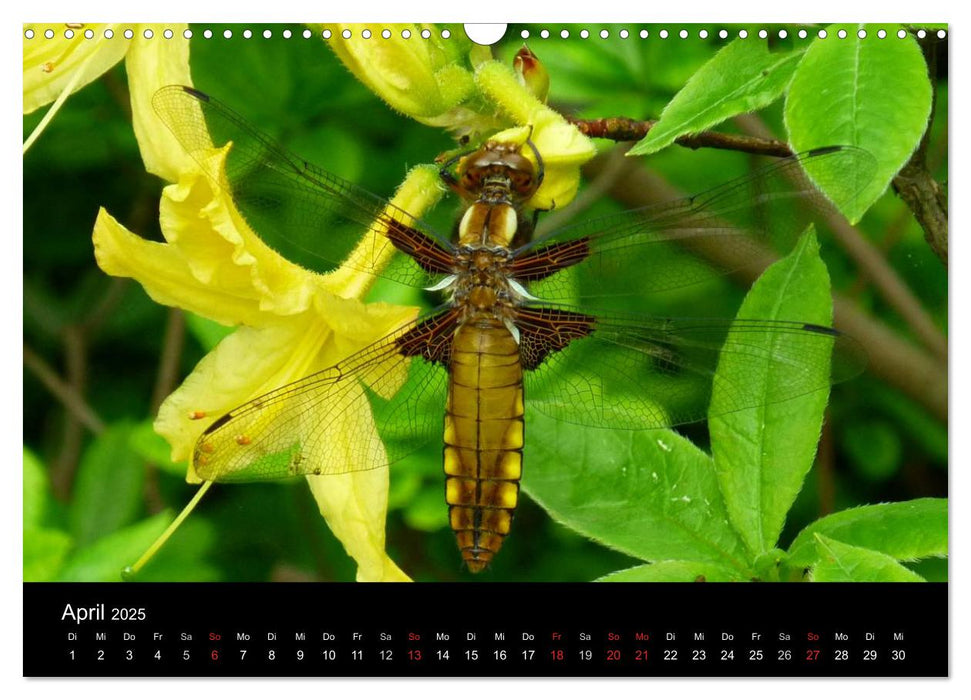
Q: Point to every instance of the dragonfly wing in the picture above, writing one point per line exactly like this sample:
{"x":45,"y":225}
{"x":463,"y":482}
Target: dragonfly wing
{"x":604,"y":263}
{"x":638,"y":373}
{"x":309,"y":216}
{"x":368,"y":411}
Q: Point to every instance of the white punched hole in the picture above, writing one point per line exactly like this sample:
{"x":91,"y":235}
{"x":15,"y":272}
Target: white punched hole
{"x":485,"y":34}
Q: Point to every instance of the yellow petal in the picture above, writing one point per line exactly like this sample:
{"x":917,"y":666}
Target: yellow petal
{"x":253,"y":361}
{"x":419,"y":77}
{"x":165,"y":274}
{"x":153,"y":64}
{"x":50,"y":65}
{"x":354,"y":506}
{"x":202,"y":223}
{"x":564,"y":150}
{"x":297,"y":322}
{"x":245,"y":364}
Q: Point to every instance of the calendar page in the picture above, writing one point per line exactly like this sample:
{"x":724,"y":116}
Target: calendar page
{"x":622,"y":347}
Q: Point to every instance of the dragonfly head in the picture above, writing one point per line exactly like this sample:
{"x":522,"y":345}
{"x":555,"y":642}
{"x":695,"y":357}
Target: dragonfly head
{"x":497,"y":168}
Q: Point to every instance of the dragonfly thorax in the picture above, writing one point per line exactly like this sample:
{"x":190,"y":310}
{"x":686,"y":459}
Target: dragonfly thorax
{"x":491,"y":225}
{"x":482,"y":284}
{"x":496,"y":181}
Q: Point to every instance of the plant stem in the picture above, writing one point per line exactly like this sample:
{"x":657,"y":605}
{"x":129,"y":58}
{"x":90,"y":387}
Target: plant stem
{"x":922,"y":194}
{"x":63,"y":392}
{"x":624,"y":129}
{"x":131,"y":571}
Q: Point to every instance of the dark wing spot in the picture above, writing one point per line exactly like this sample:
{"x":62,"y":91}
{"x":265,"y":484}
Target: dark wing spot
{"x":544,"y":331}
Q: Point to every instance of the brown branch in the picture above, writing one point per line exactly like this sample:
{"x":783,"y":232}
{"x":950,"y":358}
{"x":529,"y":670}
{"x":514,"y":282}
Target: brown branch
{"x":104,"y":309}
{"x":892,"y":235}
{"x":923,"y":195}
{"x":915,"y":185}
{"x":168,"y":373}
{"x":892,"y":288}
{"x":624,"y":129}
{"x":64,"y":466}
{"x":926,"y":199}
{"x":896,"y":361}
{"x":63,"y":392}
{"x":171,"y":357}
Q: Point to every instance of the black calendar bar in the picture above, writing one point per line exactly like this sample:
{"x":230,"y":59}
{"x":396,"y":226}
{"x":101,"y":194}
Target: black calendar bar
{"x":345,"y":630}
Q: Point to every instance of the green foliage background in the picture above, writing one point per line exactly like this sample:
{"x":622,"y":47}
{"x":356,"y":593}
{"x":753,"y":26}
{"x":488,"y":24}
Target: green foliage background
{"x":93,"y":500}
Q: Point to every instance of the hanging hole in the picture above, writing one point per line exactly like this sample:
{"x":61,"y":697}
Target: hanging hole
{"x":485,"y":34}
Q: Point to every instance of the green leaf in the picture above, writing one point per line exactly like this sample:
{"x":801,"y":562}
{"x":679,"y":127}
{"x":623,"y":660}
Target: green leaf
{"x":649,"y":493}
{"x":769,"y":565}
{"x":109,"y":487}
{"x":871,"y":93}
{"x":44,"y":552}
{"x":844,"y":562}
{"x":104,"y":559}
{"x":37,"y":491}
{"x":906,"y":531}
{"x":673,"y":571}
{"x":762,"y":454}
{"x":742,"y":77}
{"x":152,"y":447}
{"x":187,"y":556}
{"x":45,"y":548}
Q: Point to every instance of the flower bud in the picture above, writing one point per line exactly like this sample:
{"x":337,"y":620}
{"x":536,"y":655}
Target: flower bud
{"x":531,"y":73}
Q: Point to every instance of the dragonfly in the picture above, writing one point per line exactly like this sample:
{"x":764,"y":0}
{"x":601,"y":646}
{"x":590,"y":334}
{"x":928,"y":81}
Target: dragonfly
{"x":526,"y":321}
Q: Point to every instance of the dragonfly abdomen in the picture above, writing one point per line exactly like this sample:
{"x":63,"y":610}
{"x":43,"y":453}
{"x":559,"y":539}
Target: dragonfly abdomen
{"x":483,"y":438}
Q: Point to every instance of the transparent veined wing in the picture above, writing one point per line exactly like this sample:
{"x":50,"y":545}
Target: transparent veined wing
{"x":309,"y":216}
{"x":634,"y":372}
{"x":602,"y":264}
{"x":368,"y":411}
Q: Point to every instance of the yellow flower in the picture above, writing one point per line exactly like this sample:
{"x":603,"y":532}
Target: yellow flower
{"x":422,"y":78}
{"x":292,"y":322}
{"x":563,"y":148}
{"x":453,"y":83}
{"x":57,"y":67}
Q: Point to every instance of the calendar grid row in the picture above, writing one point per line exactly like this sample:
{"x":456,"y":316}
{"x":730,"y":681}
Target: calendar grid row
{"x":326,"y":651}
{"x":698,"y":631}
